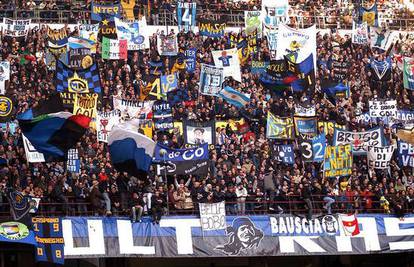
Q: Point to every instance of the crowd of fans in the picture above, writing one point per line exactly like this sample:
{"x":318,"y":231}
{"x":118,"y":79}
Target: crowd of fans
{"x":241,"y":169}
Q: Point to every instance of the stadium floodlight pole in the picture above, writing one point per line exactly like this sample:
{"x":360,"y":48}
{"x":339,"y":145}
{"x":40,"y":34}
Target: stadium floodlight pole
{"x":163,"y":152}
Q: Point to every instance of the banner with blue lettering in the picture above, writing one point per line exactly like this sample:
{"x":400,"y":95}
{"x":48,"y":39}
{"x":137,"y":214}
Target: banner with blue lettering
{"x":73,"y":162}
{"x":211,"y":79}
{"x":186,"y":16}
{"x":162,"y":115}
{"x":190,"y":59}
{"x":49,"y":237}
{"x":283,"y":153}
{"x":268,"y":235}
{"x":338,"y":161}
{"x":306,"y":126}
{"x":405,"y":154}
{"x":182,"y":161}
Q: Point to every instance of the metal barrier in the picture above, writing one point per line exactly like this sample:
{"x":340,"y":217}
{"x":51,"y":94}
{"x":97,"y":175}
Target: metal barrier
{"x":293,"y":205}
{"x":235,"y":18}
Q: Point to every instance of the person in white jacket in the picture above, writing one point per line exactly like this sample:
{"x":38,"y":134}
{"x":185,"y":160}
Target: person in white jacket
{"x":241,"y":193}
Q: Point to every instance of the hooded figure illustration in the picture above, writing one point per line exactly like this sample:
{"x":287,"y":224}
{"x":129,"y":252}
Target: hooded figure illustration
{"x":242,"y":235}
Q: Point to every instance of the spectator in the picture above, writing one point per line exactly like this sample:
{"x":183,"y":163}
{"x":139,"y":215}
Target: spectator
{"x":241,"y":193}
{"x":96,"y":198}
{"x":158,"y":205}
{"x":137,"y":207}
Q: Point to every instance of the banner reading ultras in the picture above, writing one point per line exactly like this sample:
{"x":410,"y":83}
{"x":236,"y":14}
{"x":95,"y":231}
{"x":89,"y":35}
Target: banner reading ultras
{"x":277,"y":235}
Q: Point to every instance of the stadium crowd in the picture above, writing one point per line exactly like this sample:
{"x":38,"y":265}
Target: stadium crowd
{"x":241,"y":169}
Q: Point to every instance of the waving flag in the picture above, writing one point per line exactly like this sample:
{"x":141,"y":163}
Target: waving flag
{"x":296,"y":45}
{"x":53,"y":104}
{"x":234,"y":97}
{"x":54,"y":134}
{"x":130,"y":151}
{"x":114,"y":49}
{"x":134,"y":32}
{"x":381,"y":69}
{"x":349,"y":224}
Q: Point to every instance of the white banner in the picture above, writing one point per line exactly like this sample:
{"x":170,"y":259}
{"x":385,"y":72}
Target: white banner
{"x":271,"y":35}
{"x":213,"y":216}
{"x":133,"y":109}
{"x":359,"y":140}
{"x":296,"y":45}
{"x":275,"y":13}
{"x":359,"y":33}
{"x":305,"y":111}
{"x":89,"y":31}
{"x":211,"y":79}
{"x":380,"y":109}
{"x":379,"y":157}
{"x":105,"y":121}
{"x":16,"y":28}
{"x":229,"y":61}
{"x":4,"y":75}
{"x":381,"y":38}
{"x":32,"y":155}
{"x":135,"y":32}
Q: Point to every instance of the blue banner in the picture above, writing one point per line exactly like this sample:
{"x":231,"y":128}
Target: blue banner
{"x":162,"y":116}
{"x":212,"y":28}
{"x":318,"y":147}
{"x":405,"y":154}
{"x":168,"y":83}
{"x":304,"y":73}
{"x":186,"y":16}
{"x":191,"y":59}
{"x":182,"y":161}
{"x":305,"y":125}
{"x":259,"y":67}
{"x":381,"y":69}
{"x":49,"y":237}
{"x":369,"y":15}
{"x":73,"y":162}
{"x":194,"y":153}
{"x":105,"y":12}
{"x":284,"y":154}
